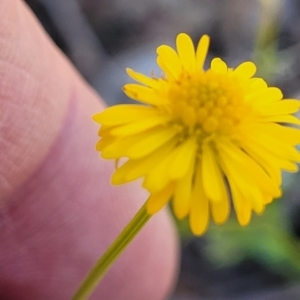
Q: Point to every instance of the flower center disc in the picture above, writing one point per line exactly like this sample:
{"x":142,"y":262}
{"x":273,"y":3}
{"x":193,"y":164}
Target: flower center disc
{"x":207,"y":101}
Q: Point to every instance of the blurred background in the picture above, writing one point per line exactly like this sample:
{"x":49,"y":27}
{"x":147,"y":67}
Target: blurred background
{"x":103,"y":37}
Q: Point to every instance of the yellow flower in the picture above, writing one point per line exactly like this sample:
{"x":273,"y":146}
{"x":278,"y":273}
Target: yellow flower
{"x":204,"y":138}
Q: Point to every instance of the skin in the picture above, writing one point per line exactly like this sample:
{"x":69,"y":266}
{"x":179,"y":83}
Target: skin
{"x":58,"y":211}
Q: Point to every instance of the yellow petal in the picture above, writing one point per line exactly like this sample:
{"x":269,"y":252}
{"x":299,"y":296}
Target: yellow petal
{"x":277,"y":147}
{"x":220,"y":211}
{"x":148,"y":81}
{"x":142,"y":94}
{"x":219,"y":66}
{"x":104,"y":143}
{"x":168,"y":61}
{"x":123,"y":113}
{"x":135,"y":168}
{"x":289,"y":119}
{"x":247,"y":185}
{"x":104,"y":130}
{"x":140,"y":125}
{"x":199,"y":213}
{"x":213,"y":179}
{"x":241,"y":205}
{"x":255,"y":84}
{"x":247,"y":169}
{"x":118,"y":147}
{"x":285,"y":134}
{"x":150,"y":142}
{"x":267,"y":199}
{"x":186,"y":51}
{"x":182,"y":195}
{"x":158,"y":178}
{"x":184,"y":156}
{"x":137,"y":145}
{"x":249,"y":189}
{"x":201,"y":51}
{"x":256,"y":197}
{"x":158,"y":200}
{"x":245,"y":70}
{"x":279,"y":108}
{"x":274,"y":159}
{"x":265,"y":161}
{"x":263,"y":97}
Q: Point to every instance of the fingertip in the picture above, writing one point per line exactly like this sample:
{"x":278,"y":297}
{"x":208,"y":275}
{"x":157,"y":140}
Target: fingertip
{"x":36,"y":83}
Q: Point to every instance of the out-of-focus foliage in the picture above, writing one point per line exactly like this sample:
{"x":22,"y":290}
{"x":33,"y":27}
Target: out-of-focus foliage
{"x":267,"y":238}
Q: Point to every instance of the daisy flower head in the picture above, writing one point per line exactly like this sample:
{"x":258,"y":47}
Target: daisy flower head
{"x":207,"y":140}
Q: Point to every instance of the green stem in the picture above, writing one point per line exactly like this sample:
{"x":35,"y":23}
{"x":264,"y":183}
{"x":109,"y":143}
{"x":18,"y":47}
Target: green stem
{"x":111,"y":254}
